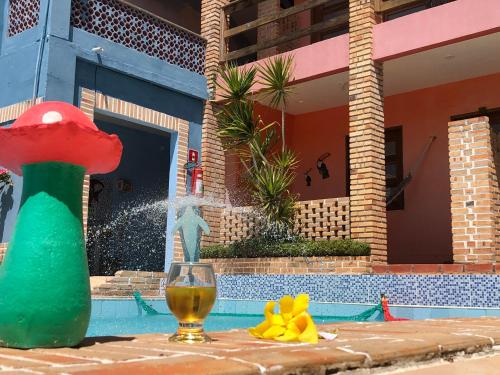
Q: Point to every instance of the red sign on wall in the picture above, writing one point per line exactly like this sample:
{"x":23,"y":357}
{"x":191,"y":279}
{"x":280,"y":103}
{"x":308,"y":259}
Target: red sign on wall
{"x":193,"y":156}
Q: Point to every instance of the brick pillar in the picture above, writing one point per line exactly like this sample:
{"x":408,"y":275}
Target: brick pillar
{"x":496,"y":155}
{"x":474,"y":191}
{"x":87,"y":106}
{"x":211,"y":149}
{"x":366,"y":133}
{"x":3,"y":250}
{"x":269,"y":31}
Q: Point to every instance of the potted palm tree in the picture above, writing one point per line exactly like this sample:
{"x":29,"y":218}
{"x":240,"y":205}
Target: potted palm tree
{"x":270,"y":170}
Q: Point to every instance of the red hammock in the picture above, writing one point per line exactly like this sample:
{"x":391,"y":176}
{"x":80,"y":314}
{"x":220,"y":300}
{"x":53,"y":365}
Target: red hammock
{"x":387,"y":314}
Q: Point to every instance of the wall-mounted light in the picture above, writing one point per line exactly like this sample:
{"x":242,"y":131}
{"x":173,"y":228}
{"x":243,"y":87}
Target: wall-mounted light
{"x":98,"y":50}
{"x":308,"y":177}
{"x":321,"y":165}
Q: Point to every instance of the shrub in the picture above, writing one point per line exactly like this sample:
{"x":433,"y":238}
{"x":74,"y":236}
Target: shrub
{"x":256,"y":247}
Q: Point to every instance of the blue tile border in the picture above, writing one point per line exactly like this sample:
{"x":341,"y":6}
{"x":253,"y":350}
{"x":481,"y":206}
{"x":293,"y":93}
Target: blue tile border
{"x":414,"y":290}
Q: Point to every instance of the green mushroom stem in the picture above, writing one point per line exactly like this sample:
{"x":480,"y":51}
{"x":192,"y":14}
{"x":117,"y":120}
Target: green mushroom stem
{"x":44,"y":278}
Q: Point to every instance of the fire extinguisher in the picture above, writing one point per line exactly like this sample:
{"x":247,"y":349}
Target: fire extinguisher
{"x":197,"y":182}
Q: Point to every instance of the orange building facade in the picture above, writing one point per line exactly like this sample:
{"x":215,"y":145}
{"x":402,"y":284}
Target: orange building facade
{"x":402,"y":98}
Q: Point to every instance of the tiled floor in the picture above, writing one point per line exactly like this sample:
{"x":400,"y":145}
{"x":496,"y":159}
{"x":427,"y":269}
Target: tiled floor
{"x":359,"y":345}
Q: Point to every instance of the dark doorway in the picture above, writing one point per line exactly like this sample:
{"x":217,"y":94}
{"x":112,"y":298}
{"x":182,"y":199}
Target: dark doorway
{"x":127,"y":208}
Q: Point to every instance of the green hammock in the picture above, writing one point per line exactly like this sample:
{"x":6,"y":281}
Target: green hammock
{"x":362,"y":317}
{"x":149,"y":309}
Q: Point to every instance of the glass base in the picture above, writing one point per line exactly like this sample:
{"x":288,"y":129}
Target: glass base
{"x":190,"y":333}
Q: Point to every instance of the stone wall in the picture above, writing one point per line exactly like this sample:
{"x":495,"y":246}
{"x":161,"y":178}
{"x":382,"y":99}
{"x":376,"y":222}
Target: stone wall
{"x":290,"y":266}
{"x":317,"y":219}
{"x":474,"y":191}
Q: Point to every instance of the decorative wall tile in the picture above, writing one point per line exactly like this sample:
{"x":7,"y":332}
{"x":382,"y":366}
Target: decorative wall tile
{"x":133,"y":28}
{"x":424,"y":290}
{"x":23,"y":15}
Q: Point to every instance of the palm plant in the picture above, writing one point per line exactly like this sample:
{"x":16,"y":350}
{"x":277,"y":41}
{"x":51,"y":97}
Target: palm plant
{"x":270,"y":173}
{"x":276,"y":75}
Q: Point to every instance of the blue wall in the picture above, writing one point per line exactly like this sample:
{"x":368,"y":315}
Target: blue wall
{"x":68,"y":63}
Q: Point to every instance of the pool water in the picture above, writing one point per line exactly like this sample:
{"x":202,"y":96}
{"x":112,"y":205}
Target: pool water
{"x":123,"y":316}
{"x":168,"y":324}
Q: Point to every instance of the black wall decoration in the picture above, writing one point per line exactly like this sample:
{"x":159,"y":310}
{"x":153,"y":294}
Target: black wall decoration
{"x":321,"y":165}
{"x":308,"y":177}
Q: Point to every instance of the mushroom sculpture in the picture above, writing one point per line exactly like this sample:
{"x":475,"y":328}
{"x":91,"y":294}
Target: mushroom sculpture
{"x":44,"y":279}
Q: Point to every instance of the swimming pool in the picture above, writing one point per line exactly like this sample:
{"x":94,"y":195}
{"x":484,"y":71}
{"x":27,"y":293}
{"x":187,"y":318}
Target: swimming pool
{"x":123,"y":316}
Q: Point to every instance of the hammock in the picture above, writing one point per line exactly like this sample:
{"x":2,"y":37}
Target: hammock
{"x":387,"y":314}
{"x":382,"y":307}
{"x":147,"y":308}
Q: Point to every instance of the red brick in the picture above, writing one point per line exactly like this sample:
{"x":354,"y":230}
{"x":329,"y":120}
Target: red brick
{"x":452,"y":268}
{"x":380,"y":268}
{"x":400,"y":268}
{"x":426,"y":268}
{"x":479,"y":268}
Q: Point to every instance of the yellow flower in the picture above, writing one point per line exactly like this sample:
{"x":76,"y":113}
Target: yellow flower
{"x":293,"y":323}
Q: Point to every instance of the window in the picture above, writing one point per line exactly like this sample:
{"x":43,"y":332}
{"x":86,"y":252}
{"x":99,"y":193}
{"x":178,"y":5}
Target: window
{"x":393,"y":167}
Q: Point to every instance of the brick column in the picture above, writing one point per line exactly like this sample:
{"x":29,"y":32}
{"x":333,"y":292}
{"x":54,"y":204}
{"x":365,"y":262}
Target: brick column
{"x":474,"y":191}
{"x":3,"y":250}
{"x":496,"y":155}
{"x":366,"y":133}
{"x":87,"y":106}
{"x":211,"y":149}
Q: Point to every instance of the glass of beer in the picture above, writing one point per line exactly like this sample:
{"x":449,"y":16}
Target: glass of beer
{"x":190,"y":292}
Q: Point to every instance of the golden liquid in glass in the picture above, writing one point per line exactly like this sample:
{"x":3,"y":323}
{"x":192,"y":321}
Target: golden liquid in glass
{"x":190,"y":304}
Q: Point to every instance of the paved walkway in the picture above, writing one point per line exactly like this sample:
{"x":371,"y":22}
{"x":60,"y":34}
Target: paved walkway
{"x":359,"y":345}
{"x":474,"y":366}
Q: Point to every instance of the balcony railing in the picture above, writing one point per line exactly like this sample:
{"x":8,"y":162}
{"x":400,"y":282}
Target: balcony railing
{"x":272,"y":29}
{"x":275,"y":29}
{"x":23,"y":15}
{"x":140,"y":30}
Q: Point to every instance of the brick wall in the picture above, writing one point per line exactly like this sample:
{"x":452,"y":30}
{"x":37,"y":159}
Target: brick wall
{"x":212,"y":153}
{"x":318,"y":219}
{"x":124,"y":283}
{"x":474,"y":191}
{"x":287,"y":266}
{"x":366,"y":133}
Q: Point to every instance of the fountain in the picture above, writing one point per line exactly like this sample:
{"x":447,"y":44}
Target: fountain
{"x":190,"y":289}
{"x":44,"y":279}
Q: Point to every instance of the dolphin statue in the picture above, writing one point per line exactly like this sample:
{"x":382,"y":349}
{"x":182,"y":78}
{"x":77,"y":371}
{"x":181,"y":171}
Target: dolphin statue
{"x":188,"y":225}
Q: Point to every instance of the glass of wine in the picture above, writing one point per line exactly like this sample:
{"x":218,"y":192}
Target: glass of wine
{"x":190,"y":292}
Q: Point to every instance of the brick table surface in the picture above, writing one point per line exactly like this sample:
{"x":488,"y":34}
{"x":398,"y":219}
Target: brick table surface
{"x":359,"y":345}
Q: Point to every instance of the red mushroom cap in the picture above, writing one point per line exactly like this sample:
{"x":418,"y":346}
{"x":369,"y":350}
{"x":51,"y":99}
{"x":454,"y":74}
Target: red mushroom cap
{"x":60,"y":132}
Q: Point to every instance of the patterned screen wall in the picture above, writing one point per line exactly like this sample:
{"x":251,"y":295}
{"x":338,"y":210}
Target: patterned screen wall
{"x":133,"y":28}
{"x":315,"y":220}
{"x":23,"y":15}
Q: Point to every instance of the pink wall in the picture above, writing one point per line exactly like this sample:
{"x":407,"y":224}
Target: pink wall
{"x":421,"y":232}
{"x":311,"y":135}
{"x":446,"y":24}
